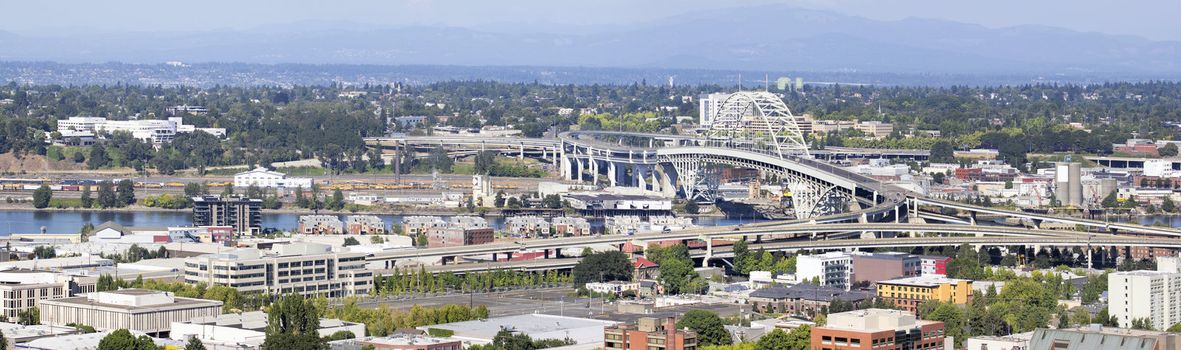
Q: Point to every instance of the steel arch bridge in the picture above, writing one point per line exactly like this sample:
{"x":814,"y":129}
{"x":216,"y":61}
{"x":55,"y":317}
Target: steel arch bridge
{"x":758,"y":121}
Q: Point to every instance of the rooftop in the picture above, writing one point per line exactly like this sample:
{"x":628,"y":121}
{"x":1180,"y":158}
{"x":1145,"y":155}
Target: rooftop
{"x":923,"y":281}
{"x":808,"y":291}
{"x":538,"y":326}
{"x":135,"y":300}
{"x":874,"y":320}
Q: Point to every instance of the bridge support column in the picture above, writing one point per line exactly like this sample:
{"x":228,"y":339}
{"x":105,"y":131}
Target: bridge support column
{"x":639,"y":172}
{"x":709,"y":251}
{"x":612,"y":173}
{"x":522,"y":154}
{"x":577,"y":170}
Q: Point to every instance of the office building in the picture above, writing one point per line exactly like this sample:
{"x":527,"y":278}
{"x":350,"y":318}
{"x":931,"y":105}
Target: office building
{"x":320,"y":225}
{"x":1151,"y":295}
{"x":878,"y":329}
{"x":309,"y":269}
{"x":265,"y":178}
{"x":21,"y":290}
{"x":873,"y":128}
{"x":908,"y":293}
{"x":243,"y":214}
{"x":873,"y":267}
{"x":829,"y":269}
{"x":139,"y":310}
{"x":649,"y":334}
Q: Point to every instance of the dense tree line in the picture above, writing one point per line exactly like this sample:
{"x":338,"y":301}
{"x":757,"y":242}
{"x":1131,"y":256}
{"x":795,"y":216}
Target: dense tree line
{"x":383,"y":320}
{"x":410,"y":282}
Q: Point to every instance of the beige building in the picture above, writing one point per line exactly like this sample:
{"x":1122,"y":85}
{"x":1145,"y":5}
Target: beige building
{"x":875,"y":128}
{"x":305,"y":268}
{"x":139,"y":310}
{"x":21,"y":290}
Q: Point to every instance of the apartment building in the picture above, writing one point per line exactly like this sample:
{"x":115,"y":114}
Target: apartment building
{"x":320,"y":225}
{"x":908,"y":293}
{"x":304,"y":268}
{"x":873,"y":267}
{"x":567,"y":226}
{"x":878,"y":329}
{"x":243,"y":214}
{"x":649,"y":334}
{"x":829,"y":269}
{"x":1151,"y":295}
{"x":365,"y":225}
{"x":527,"y":226}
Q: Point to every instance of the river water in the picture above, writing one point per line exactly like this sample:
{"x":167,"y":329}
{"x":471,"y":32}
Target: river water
{"x":26,"y":221}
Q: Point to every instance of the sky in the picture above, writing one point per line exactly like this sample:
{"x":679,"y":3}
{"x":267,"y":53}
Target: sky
{"x":1152,"y":19}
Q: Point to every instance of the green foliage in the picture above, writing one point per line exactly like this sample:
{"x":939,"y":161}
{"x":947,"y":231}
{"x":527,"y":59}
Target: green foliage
{"x":634,"y":122}
{"x":350,"y":241}
{"x":1142,"y":324}
{"x":41,"y":197}
{"x":602,"y":267}
{"x":691,"y":207}
{"x":81,"y":328}
{"x":121,"y":339}
{"x":778,"y":339}
{"x":44,"y":252}
{"x":439,"y":332}
{"x":340,"y":335}
{"x":942,"y":152}
{"x":709,"y":327}
{"x":86,"y":201}
{"x":125,"y":192}
{"x":194,"y":344}
{"x":28,"y":317}
{"x":676,"y":269}
{"x":167,"y":201}
{"x":293,"y":324}
{"x":507,"y":339}
{"x":413,"y":282}
{"x":382,"y":320}
{"x":1168,"y":150}
{"x":106,"y":195}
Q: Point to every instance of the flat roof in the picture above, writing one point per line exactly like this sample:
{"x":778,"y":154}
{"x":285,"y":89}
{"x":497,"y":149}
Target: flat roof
{"x":923,"y":281}
{"x":538,"y":326}
{"x":178,"y":303}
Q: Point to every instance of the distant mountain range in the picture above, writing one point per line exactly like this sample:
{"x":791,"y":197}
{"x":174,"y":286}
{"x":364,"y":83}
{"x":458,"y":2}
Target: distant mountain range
{"x":762,"y":38}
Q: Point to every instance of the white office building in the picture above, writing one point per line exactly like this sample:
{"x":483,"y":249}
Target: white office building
{"x":708,"y":106}
{"x":266,"y":178}
{"x":1152,"y":295}
{"x":139,"y":310}
{"x":309,"y":269}
{"x":149,"y":130}
{"x":831,"y":269}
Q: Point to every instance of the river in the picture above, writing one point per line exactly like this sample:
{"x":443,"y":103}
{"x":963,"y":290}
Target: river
{"x":27,"y":221}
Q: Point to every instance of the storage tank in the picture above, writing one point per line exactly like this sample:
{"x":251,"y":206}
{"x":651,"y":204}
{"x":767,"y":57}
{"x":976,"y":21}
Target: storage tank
{"x":1068,"y":184}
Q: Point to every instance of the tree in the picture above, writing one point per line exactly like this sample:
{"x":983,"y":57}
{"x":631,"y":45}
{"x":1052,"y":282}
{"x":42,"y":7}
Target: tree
{"x":122,"y":339}
{"x":1168,"y":206}
{"x":602,"y":267}
{"x":1169,"y":150}
{"x":98,"y":157}
{"x":1175,"y":328}
{"x":42,"y":196}
{"x":499,"y":201}
{"x":376,"y":240}
{"x":741,"y":257}
{"x":1110,"y":201}
{"x":942,"y":152}
{"x":349,"y":241}
{"x":87,"y":200}
{"x":798,"y":339}
{"x":691,"y":207}
{"x":709,"y":327}
{"x":31,"y":316}
{"x":337,"y":200}
{"x":126,"y":193}
{"x":552,"y":201}
{"x":194,"y":344}
{"x":3,"y":341}
{"x":293,"y":324}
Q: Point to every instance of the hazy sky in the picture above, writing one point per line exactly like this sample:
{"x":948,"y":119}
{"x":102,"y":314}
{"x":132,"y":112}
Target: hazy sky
{"x":1153,"y":19}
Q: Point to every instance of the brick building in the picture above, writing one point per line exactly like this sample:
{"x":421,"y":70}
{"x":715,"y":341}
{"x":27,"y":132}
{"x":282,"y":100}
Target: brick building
{"x":878,"y":329}
{"x":649,"y":334}
{"x":873,"y":267}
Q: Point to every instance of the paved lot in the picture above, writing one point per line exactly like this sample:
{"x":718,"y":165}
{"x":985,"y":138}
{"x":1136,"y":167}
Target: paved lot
{"x":554,"y":301}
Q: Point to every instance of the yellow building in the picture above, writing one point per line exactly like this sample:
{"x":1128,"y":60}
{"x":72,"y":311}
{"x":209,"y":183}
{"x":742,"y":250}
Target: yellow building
{"x":908,"y":293}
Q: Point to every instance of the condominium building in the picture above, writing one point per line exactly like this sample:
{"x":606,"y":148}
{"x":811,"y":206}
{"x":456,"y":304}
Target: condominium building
{"x":649,"y":334}
{"x":138,"y":310}
{"x":908,"y":293}
{"x":365,"y":225}
{"x":320,"y":225}
{"x":458,"y":236}
{"x":1151,"y":295}
{"x":934,"y":265}
{"x":568,"y":226}
{"x":304,"y":268}
{"x":527,"y":226}
{"x":878,"y":329}
{"x":416,"y":225}
{"x":243,"y":214}
{"x":829,"y":269}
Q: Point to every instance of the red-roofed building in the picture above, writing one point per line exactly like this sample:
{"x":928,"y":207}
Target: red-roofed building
{"x":644,"y":269}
